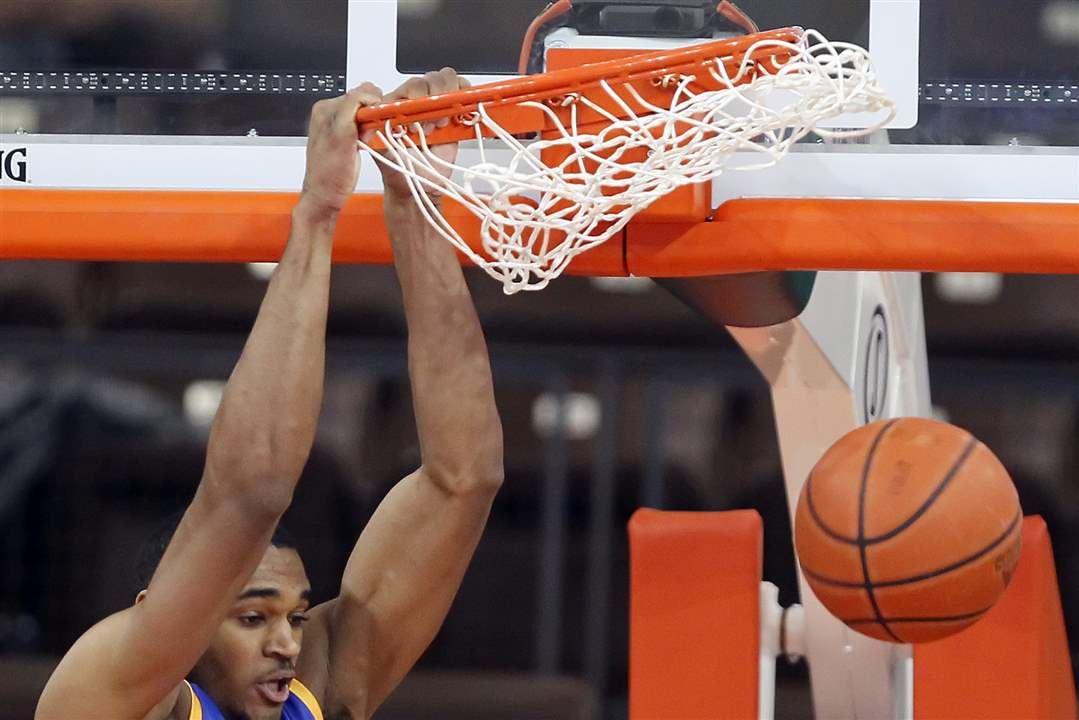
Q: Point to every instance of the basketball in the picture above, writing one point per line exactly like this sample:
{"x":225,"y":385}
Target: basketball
{"x":908,"y":530}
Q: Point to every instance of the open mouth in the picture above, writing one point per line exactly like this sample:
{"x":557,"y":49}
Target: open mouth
{"x":274,"y":691}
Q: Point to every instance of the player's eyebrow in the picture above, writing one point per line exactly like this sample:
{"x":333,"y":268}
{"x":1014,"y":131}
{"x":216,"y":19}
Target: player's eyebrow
{"x":269,"y":592}
{"x":258,"y":592}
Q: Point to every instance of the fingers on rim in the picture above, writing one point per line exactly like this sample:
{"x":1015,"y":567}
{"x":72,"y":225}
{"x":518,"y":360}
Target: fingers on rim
{"x":446,"y":80}
{"x":366,"y":87}
{"x":414,"y":87}
{"x":431,"y":83}
{"x":365,"y":94}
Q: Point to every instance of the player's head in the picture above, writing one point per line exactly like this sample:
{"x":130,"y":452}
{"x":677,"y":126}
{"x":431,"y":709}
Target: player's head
{"x":253,"y":653}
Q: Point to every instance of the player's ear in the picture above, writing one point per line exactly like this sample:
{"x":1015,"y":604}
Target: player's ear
{"x":140,"y":597}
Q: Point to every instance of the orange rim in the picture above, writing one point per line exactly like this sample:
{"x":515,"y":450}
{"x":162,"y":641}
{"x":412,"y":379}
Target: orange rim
{"x":502,"y":100}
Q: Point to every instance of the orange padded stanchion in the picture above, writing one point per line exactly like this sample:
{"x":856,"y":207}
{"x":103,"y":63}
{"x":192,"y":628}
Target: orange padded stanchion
{"x":1011,"y":664}
{"x":694,"y":642}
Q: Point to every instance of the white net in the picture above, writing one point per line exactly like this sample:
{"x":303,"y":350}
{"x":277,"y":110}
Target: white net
{"x":537,"y":214}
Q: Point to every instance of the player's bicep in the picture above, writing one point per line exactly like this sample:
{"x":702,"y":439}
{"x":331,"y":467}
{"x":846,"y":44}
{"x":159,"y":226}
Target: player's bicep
{"x":134,"y":659}
{"x":214,"y":550}
{"x":88,"y":681}
{"x":400,"y":582}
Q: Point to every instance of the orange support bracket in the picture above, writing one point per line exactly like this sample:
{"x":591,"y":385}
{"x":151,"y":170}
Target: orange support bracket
{"x":1013,"y":663}
{"x":751,"y":235}
{"x":173,"y":226}
{"x":694,"y":648}
{"x":208,"y":226}
{"x":741,"y":236}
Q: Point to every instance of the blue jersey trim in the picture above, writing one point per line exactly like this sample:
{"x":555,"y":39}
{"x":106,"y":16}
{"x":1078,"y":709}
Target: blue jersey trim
{"x":203,"y":708}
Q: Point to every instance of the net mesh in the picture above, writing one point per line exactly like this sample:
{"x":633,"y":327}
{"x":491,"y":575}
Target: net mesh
{"x":541,"y":203}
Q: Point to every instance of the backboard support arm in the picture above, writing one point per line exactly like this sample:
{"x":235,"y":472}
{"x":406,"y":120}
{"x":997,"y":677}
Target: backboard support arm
{"x":855,"y":355}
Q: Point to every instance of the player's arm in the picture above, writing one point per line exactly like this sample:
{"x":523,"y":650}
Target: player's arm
{"x":409,"y":562}
{"x":259,"y":443}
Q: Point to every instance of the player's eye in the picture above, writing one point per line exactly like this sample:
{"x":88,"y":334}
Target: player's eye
{"x":250,"y":619}
{"x":298,"y":619}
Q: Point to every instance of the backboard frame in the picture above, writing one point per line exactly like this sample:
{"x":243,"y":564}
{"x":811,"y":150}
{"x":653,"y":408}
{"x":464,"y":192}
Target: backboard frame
{"x":893,"y":43}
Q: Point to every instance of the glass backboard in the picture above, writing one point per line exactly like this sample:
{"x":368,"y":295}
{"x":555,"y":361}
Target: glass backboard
{"x":160,"y":94}
{"x":214,"y":94}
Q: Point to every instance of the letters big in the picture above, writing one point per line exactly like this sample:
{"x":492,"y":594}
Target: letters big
{"x":13,"y":165}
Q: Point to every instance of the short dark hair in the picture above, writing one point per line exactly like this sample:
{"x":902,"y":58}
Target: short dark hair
{"x":154,"y":548}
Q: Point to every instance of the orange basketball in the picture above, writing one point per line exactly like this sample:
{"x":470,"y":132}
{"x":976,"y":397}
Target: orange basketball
{"x":908,"y":530}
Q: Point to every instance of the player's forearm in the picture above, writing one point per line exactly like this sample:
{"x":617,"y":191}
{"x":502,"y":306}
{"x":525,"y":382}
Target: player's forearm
{"x":265,"y":427}
{"x":459,"y":429}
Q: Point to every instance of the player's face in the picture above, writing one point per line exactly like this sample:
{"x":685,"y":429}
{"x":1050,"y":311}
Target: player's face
{"x":247,"y":668}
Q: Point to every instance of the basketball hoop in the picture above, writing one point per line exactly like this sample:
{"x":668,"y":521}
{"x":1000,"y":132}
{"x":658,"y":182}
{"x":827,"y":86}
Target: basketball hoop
{"x":612,"y":138}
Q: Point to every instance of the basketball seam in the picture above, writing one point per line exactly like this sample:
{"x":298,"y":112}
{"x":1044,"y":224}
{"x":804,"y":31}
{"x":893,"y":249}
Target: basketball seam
{"x":920,"y":619}
{"x":862,"y":554}
{"x":952,"y":472}
{"x":817,"y":518}
{"x":972,"y":443}
{"x":929,"y":575}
